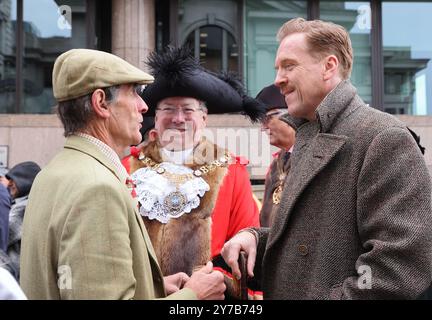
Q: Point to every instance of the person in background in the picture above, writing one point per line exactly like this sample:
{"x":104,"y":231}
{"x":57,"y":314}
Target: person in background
{"x":355,"y":217}
{"x":148,"y":134}
{"x":82,"y":234}
{"x":3,"y":180}
{"x":20,"y":178}
{"x":5,"y":205}
{"x":281,"y":135}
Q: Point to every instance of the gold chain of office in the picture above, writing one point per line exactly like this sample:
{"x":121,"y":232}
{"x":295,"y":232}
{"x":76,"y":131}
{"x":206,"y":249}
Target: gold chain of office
{"x":175,"y":202}
{"x":182,"y":178}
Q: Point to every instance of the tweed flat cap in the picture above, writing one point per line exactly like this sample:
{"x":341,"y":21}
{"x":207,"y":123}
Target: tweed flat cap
{"x":78,"y":72}
{"x":271,"y":97}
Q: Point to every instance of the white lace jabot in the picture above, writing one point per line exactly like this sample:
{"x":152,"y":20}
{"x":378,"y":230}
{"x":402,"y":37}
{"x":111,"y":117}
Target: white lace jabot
{"x":169,"y":191}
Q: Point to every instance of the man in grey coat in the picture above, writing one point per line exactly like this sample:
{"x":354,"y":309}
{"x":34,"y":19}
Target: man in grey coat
{"x":355,"y":219}
{"x":20,"y":178}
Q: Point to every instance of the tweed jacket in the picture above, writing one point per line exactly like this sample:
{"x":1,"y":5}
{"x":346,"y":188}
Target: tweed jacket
{"x":355,"y":220}
{"x":82,"y":235}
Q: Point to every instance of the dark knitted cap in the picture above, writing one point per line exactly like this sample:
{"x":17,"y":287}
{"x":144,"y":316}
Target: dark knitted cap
{"x":23,"y":174}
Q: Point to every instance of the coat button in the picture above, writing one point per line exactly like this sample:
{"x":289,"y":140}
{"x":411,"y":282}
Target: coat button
{"x":303,"y":249}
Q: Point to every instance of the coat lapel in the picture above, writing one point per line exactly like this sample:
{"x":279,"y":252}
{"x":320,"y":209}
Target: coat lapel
{"x":85,"y":146}
{"x":313,"y":151}
{"x":147,"y":240}
{"x":81,"y":144}
{"x":310,"y":162}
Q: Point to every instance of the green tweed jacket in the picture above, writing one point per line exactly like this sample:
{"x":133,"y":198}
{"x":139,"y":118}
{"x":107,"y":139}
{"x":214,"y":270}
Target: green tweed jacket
{"x":82,"y":235}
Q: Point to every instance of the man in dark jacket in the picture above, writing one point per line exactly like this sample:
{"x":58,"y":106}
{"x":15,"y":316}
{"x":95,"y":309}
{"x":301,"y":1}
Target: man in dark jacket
{"x":20,"y":178}
{"x":281,"y":135}
{"x":355,"y":219}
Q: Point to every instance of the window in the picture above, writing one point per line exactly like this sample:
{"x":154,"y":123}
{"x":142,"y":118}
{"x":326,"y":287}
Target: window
{"x":210,"y":28}
{"x":262,"y":21}
{"x":47,"y":34}
{"x":356,"y":18}
{"x":215,"y":47}
{"x":407,"y":57}
{"x":7,"y":56}
{"x":392,"y":67}
{"x":32,"y":35}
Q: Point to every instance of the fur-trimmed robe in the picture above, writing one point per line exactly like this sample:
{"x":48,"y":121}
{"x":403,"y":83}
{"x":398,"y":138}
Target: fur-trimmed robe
{"x":190,"y":241}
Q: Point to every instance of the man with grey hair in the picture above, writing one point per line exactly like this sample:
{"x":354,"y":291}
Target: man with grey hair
{"x":82,"y":234}
{"x":355,"y":218}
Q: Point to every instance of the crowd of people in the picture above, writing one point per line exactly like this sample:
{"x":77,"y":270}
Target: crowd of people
{"x":139,"y":204}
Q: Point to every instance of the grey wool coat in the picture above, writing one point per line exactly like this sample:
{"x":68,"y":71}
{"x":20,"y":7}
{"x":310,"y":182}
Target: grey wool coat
{"x":355,"y":219}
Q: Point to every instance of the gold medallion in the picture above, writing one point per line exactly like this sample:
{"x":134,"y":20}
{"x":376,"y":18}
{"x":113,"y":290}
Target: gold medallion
{"x":277,"y":194}
{"x":175,"y":203}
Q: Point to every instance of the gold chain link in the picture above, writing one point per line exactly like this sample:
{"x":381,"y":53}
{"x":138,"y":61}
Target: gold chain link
{"x":203,"y":170}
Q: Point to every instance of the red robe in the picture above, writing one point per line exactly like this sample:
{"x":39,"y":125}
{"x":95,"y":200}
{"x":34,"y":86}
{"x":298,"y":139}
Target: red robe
{"x":235,"y":197}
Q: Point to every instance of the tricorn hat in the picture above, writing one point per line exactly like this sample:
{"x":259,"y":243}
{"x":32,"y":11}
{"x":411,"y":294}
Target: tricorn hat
{"x":271,"y":97}
{"x":178,"y":74}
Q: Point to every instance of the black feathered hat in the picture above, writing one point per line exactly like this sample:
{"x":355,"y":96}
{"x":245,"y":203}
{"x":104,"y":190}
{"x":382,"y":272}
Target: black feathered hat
{"x":178,"y":74}
{"x":271,"y":97}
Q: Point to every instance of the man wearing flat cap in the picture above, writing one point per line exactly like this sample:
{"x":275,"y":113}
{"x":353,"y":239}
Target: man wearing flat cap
{"x":281,"y":135}
{"x":194,"y":195}
{"x":82,"y":235}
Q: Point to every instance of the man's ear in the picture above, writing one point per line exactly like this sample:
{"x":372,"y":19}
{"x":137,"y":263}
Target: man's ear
{"x":99,"y":104}
{"x":205,"y":116}
{"x":331,"y":67}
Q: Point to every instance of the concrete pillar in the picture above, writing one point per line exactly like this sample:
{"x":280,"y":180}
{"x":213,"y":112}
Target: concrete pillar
{"x":133,"y":30}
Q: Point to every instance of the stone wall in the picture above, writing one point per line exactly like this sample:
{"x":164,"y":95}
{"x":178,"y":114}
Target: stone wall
{"x":40,"y":137}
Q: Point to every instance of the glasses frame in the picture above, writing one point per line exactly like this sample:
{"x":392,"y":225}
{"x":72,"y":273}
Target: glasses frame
{"x":169,"y":111}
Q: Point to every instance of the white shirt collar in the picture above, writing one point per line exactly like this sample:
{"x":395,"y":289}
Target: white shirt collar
{"x":177,"y":157}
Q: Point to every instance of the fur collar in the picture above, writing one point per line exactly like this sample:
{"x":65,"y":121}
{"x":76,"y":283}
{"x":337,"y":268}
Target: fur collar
{"x":204,"y":153}
{"x":183,"y":243}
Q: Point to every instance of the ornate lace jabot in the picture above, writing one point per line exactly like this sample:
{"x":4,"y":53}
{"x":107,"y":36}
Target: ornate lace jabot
{"x":168,"y":191}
